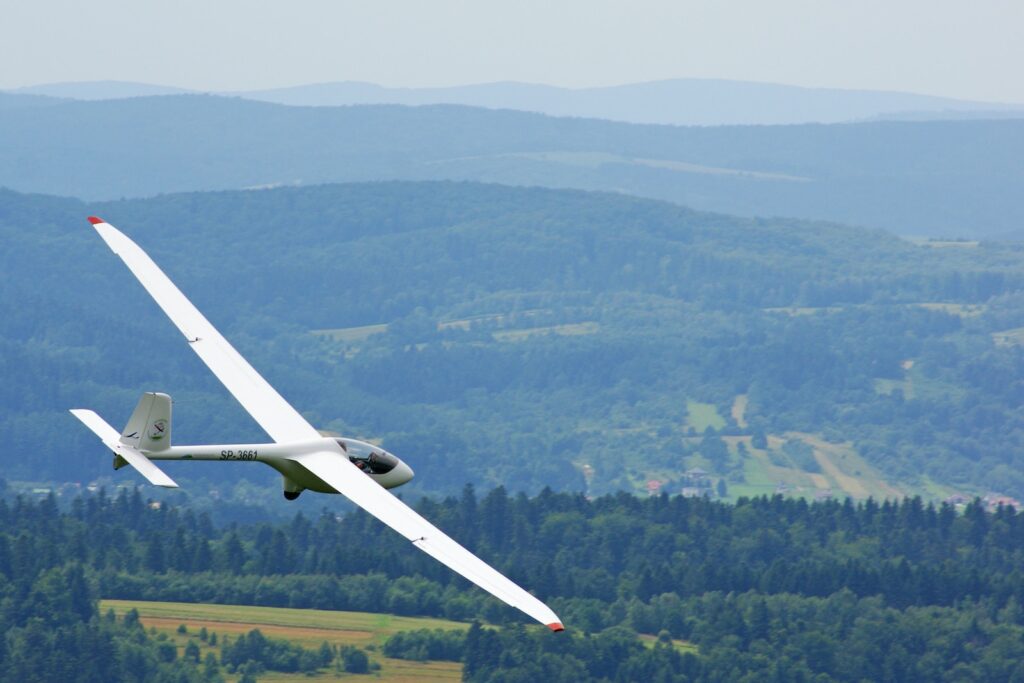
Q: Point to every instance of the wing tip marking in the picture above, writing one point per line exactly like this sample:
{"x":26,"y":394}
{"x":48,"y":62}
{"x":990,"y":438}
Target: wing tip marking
{"x":556,"y":626}
{"x":96,"y":220}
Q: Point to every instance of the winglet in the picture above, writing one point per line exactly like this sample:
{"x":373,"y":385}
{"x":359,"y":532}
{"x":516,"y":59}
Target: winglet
{"x":96,"y":220}
{"x":556,"y":627}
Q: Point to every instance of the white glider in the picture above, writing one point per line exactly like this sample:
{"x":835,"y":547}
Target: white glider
{"x":305,"y":458}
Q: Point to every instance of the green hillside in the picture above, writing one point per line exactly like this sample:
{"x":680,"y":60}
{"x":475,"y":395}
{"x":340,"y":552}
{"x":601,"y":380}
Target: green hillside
{"x":526,"y":337}
{"x":953,"y":178}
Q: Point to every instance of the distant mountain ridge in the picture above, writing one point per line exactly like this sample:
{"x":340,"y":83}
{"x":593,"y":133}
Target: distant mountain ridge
{"x":684,"y":101}
{"x":939,"y":178}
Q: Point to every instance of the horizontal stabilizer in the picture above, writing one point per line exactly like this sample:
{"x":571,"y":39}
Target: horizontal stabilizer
{"x":146,"y":468}
{"x":153,"y":474}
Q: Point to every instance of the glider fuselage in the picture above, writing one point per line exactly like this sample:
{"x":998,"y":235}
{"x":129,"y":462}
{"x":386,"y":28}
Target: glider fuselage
{"x":278,"y":456}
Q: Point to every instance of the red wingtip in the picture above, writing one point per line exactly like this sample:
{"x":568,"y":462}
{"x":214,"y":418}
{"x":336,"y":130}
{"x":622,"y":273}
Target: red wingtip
{"x":94,"y":220}
{"x":556,"y":627}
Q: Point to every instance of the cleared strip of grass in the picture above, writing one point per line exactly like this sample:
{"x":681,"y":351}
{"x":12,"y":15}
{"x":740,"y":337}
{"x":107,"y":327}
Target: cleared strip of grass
{"x":739,"y":411}
{"x":352,"y":334}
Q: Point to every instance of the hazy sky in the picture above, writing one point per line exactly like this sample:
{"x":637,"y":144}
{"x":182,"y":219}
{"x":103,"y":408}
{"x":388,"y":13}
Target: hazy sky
{"x":972,"y":50}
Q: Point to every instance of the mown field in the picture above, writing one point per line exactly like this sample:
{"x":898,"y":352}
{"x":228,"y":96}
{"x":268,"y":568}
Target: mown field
{"x":306,"y":627}
{"x":841,"y":471}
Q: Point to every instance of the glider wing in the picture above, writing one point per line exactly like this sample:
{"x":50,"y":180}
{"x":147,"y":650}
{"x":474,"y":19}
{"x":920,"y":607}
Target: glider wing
{"x":277,"y":417}
{"x":284,"y":424}
{"x":367,"y":494}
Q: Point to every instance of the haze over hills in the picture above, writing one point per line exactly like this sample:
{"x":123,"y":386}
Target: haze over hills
{"x":98,"y":90}
{"x":951,"y":178}
{"x":684,"y":101}
{"x":18,"y":101}
{"x":527,"y":337}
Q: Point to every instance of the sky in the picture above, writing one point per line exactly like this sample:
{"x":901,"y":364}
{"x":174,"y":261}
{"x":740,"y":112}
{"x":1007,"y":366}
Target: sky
{"x":969,"y":50}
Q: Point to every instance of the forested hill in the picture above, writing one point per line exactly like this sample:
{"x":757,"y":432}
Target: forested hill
{"x":528,"y":337}
{"x":954,"y":178}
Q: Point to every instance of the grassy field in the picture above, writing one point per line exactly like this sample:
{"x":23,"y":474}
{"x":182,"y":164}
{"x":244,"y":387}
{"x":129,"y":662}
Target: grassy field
{"x":887,"y":386}
{"x":352,"y":334}
{"x":962,"y":310}
{"x":308,"y":628}
{"x":843,"y":472}
{"x":358,"y":334}
{"x":700,"y":416}
{"x":569,"y":330}
{"x":680,"y":645}
{"x":305,"y":627}
{"x":932,"y":490}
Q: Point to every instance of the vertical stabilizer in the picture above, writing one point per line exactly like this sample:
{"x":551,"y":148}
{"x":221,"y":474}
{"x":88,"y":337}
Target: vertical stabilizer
{"x":149,"y":428}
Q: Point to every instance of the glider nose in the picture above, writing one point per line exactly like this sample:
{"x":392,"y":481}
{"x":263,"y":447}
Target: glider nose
{"x":403,"y":473}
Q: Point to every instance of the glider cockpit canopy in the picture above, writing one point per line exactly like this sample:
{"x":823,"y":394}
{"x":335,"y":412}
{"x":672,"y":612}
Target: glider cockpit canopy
{"x":368,"y":457}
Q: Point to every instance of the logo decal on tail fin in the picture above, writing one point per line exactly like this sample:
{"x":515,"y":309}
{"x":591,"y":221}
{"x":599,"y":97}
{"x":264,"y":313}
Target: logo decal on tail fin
{"x":158,"y":430}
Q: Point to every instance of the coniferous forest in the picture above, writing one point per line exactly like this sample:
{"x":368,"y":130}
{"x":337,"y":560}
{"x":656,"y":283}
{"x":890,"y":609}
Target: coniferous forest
{"x":766,"y":589}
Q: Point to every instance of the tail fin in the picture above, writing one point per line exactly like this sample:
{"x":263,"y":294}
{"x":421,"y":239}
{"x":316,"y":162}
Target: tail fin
{"x":149,"y":428}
